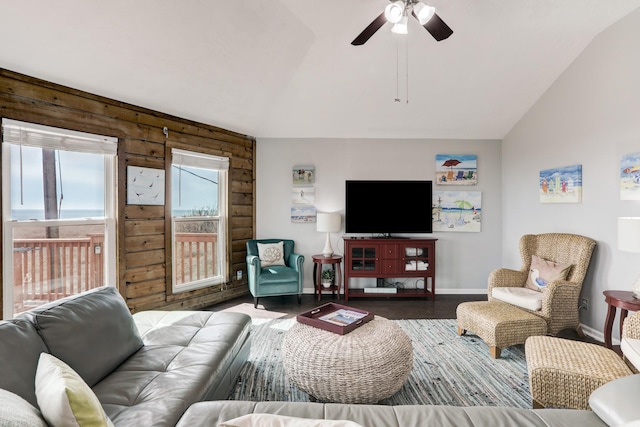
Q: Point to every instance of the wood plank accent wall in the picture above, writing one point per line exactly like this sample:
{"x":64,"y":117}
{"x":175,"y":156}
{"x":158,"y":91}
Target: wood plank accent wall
{"x":143,"y":232}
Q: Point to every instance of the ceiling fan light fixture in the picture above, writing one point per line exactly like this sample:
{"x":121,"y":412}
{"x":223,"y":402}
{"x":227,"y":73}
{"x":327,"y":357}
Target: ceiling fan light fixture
{"x":401,"y":27}
{"x":423,"y":12}
{"x":394,"y":11}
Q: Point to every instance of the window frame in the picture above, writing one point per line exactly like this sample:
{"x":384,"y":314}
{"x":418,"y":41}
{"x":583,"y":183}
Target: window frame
{"x":15,"y":132}
{"x":182,"y":157}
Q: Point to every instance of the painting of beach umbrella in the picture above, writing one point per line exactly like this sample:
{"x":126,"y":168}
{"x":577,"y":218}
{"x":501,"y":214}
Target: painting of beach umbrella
{"x":463,"y":204}
{"x":451,"y":163}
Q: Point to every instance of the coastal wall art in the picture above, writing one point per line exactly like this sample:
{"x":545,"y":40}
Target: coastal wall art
{"x":456,"y":169}
{"x":630,"y":177}
{"x":561,"y":185}
{"x":145,"y":186}
{"x":303,"y":213}
{"x":303,"y":175}
{"x":303,"y":195}
{"x":457,"y":211}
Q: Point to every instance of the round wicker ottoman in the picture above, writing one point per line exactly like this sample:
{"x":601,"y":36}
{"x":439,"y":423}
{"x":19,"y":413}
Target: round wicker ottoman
{"x":366,"y":365}
{"x":499,"y":324}
{"x":563,"y":373}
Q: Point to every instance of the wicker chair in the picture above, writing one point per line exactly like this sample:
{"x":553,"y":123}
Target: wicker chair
{"x":507,"y":321}
{"x":560,"y":299}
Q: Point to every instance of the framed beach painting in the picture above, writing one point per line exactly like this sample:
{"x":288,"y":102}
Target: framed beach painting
{"x":561,"y":185}
{"x":456,"y":169}
{"x":303,"y":195}
{"x":630,"y":177}
{"x":303,"y":175}
{"x":303,"y":213}
{"x":457,"y":211}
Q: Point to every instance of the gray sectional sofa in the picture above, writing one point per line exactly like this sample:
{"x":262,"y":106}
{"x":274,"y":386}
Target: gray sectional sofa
{"x":145,"y":369}
{"x":167,"y":368}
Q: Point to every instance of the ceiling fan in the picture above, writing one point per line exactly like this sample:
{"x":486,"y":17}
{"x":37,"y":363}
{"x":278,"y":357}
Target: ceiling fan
{"x":398,"y":13}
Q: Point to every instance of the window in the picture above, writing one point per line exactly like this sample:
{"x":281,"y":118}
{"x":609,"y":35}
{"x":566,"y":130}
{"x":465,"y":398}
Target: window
{"x":58,"y":209}
{"x":198,"y":219}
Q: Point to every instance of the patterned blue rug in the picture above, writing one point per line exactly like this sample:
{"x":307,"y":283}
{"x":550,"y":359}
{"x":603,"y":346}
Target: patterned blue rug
{"x":447,"y":369}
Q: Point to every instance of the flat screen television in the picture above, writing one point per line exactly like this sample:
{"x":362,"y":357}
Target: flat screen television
{"x":388,"y":207}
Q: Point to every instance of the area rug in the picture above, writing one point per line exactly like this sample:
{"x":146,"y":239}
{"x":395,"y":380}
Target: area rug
{"x":256,"y":313}
{"x":447,"y":369}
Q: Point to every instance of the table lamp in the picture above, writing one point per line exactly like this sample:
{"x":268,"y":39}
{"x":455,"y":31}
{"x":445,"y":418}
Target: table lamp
{"x":629,"y":240}
{"x":327,"y":222}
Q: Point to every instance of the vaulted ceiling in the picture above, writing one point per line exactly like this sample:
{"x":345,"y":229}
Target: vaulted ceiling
{"x":286,"y":68}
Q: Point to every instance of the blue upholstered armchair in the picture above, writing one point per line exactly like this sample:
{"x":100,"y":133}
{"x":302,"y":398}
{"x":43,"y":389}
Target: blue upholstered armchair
{"x":274,"y":274}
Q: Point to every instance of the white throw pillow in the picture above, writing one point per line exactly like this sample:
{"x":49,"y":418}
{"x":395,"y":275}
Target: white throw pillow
{"x":64,"y":398}
{"x":543,"y":271}
{"x":271,"y":420}
{"x":521,"y":297}
{"x":271,"y":254}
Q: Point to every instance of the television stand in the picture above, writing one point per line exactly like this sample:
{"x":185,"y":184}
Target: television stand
{"x":391,"y":257}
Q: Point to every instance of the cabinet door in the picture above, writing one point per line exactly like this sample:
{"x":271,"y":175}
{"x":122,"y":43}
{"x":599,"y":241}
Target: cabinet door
{"x":416,"y":257}
{"x":363,"y":259}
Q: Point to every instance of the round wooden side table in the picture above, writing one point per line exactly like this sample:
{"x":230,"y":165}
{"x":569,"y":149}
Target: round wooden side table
{"x":319,"y":260}
{"x":625,"y":301}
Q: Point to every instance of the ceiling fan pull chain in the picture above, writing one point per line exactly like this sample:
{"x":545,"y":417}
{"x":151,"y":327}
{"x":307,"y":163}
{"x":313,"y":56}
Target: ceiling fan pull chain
{"x":407,"y":66}
{"x":397,"y":98}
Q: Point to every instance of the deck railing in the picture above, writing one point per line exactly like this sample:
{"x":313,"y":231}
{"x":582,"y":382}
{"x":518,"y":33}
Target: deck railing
{"x":48,"y":269}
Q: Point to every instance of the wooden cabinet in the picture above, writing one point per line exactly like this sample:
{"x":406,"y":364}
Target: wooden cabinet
{"x":391,"y":258}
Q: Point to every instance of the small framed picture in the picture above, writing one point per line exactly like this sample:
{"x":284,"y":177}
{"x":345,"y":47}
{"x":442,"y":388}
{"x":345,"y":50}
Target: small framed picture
{"x":304,"y":175}
{"x":145,"y":186}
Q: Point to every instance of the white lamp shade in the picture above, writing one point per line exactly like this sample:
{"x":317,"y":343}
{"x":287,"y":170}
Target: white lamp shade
{"x":629,"y":234}
{"x":394,"y":11}
{"x":423,"y":12}
{"x":401,"y":27}
{"x":328,"y":222}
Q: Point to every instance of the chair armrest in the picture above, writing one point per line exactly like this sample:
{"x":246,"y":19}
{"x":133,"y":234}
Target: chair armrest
{"x":560,"y":305}
{"x":295,"y":261}
{"x":253,"y":267}
{"x":631,"y":327}
{"x":505,"y":277}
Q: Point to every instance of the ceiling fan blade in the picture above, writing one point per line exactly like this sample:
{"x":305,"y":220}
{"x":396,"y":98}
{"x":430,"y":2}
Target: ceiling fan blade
{"x":370,"y":30}
{"x":437,"y":28}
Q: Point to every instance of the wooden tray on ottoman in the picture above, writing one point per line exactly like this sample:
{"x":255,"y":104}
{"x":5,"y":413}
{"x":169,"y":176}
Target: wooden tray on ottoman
{"x":335,"y":318}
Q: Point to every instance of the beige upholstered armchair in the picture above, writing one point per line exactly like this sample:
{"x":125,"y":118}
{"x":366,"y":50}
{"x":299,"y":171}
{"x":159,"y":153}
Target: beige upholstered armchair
{"x":556,"y":301}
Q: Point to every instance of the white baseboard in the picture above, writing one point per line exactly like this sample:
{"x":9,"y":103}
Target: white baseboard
{"x":597,"y":335}
{"x":438,"y":291}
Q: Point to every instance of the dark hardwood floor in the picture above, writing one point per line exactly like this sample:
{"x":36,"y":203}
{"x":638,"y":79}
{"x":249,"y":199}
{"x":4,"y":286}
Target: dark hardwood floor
{"x":444,"y":306}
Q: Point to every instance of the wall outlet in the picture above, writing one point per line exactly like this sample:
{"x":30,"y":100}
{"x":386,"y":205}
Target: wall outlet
{"x":239,"y":275}
{"x":584,"y":303}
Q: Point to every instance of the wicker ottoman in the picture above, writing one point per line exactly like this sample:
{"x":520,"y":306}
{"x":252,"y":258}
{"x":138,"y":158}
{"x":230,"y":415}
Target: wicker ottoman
{"x":563,"y":373}
{"x":366,"y":365}
{"x":499,"y":324}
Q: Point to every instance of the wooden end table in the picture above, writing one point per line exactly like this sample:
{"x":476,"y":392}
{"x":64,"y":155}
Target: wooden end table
{"x":319,"y":260}
{"x":625,"y":301}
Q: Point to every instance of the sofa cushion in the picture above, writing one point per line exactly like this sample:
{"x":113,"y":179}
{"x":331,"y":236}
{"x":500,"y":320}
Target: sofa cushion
{"x":631,"y":349}
{"x":188,"y":356}
{"x":20,"y":348}
{"x":17,"y":412}
{"x":92,"y":332}
{"x":616,"y":402}
{"x":271,"y":420}
{"x":543,"y":271}
{"x":520,"y":297}
{"x":64,"y":398}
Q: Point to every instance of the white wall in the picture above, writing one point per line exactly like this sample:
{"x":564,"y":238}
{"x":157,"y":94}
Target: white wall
{"x":463,"y":260}
{"x":590,"y":116}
